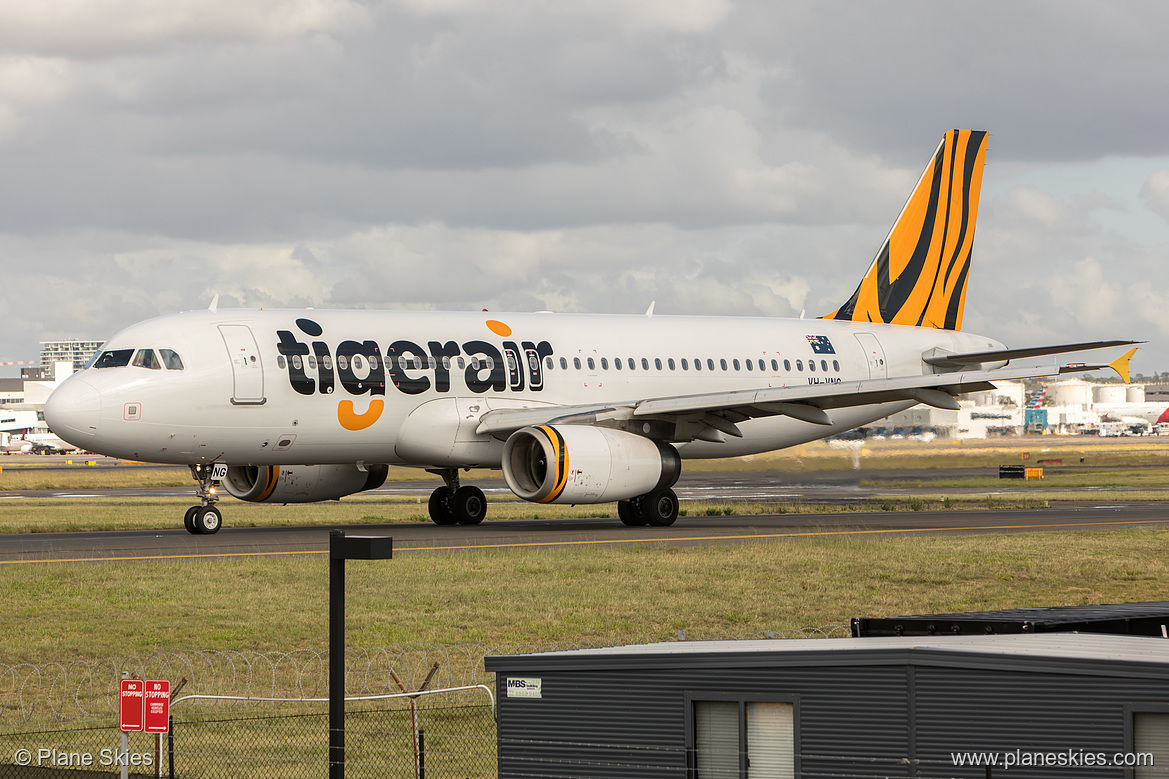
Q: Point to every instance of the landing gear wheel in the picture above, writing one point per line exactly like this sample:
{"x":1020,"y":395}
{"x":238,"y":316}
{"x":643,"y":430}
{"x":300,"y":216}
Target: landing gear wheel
{"x":660,"y":508}
{"x":207,"y":520}
{"x":630,"y":513}
{"x":440,"y":507}
{"x":189,"y":520}
{"x":469,"y":505}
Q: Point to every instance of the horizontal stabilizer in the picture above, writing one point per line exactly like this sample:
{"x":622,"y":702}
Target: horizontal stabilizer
{"x":1004,"y":355}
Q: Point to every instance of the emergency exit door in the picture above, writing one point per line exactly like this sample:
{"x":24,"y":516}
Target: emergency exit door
{"x":246,"y":368}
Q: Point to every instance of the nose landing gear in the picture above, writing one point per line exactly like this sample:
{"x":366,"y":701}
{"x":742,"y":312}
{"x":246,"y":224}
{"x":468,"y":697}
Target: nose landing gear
{"x":205,"y":519}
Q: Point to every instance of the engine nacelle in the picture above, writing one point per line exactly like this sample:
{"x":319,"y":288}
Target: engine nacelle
{"x":301,"y":483}
{"x":583,"y":464}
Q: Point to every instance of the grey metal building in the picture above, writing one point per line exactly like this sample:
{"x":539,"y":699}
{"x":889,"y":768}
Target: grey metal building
{"x":1039,"y":705}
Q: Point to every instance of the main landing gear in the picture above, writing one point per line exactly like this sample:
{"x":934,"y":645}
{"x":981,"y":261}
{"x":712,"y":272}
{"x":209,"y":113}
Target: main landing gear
{"x":455,"y":505}
{"x":204,"y":519}
{"x":659,"y":508}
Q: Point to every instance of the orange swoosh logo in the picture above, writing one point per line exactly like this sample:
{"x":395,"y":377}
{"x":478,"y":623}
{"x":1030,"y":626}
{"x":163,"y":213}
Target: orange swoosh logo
{"x":351,"y":420}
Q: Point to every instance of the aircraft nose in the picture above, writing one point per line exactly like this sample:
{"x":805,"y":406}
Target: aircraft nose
{"x":73,"y":411}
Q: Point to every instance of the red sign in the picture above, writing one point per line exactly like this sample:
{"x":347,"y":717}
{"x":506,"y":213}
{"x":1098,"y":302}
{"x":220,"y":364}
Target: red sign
{"x":157,"y":706}
{"x":131,"y":706}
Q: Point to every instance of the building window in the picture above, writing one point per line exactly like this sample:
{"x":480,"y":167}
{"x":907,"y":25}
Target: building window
{"x":1150,"y":736}
{"x":734,"y":738}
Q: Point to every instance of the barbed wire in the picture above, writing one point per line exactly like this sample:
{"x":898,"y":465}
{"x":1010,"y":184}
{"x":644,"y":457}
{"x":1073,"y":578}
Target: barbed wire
{"x":83,"y":690}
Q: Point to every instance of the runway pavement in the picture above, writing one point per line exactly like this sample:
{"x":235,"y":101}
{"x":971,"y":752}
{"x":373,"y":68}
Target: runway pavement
{"x":420,"y":538}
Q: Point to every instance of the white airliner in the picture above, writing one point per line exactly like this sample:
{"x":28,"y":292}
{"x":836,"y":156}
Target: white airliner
{"x":34,"y":443}
{"x":307,"y":405}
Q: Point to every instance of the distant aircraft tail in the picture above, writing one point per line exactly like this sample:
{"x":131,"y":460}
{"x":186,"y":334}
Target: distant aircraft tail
{"x":919,"y":276}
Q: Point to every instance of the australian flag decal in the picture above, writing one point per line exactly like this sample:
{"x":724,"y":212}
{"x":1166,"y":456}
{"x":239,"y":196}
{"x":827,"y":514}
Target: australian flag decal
{"x":821,"y":344}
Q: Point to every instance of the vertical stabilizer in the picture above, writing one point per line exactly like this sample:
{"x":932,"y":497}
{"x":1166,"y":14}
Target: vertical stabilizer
{"x":919,"y":276}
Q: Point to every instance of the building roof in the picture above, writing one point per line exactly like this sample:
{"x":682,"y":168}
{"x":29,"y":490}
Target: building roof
{"x":1090,"y":653}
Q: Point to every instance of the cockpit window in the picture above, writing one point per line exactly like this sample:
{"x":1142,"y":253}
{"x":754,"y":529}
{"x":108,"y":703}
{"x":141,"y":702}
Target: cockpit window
{"x":115,"y":358}
{"x":171,"y":359}
{"x":146,"y":358}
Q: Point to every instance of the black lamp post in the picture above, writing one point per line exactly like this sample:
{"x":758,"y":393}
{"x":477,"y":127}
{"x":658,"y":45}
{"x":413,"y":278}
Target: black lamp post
{"x":342,"y":548}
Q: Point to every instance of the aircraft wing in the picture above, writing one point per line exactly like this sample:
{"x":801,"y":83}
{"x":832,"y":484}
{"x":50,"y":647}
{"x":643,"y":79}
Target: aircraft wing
{"x":810,"y":403}
{"x":948,"y":361}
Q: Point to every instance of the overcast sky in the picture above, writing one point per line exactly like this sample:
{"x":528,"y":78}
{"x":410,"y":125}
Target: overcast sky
{"x":718,"y":157}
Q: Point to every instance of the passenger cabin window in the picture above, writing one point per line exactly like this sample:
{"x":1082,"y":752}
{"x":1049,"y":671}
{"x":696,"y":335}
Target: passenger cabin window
{"x":171,"y":359}
{"x":762,"y":366}
{"x":824,"y":364}
{"x":787,"y":365}
{"x":799,"y":365}
{"x":698,"y":365}
{"x":115,"y":358}
{"x":736,"y":364}
{"x":145,"y":358}
{"x":645,"y":364}
{"x":723,"y":363}
{"x":710,"y":364}
{"x":811,"y":365}
{"x":835,"y":365}
{"x":685,"y":365}
{"x":749,"y":366}
{"x":632,"y":364}
{"x":616,"y":363}
{"x":604,"y":363}
{"x":576,"y":363}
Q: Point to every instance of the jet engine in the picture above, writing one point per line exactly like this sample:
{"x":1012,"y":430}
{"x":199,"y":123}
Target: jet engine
{"x":301,"y":483}
{"x":584,"y":464}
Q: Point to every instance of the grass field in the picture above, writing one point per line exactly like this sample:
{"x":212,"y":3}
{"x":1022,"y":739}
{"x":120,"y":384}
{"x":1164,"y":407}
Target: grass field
{"x":60,"y":612}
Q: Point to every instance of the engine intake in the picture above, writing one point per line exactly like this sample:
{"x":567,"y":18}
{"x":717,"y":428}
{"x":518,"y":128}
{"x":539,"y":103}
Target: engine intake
{"x":584,"y":464}
{"x":301,"y":483}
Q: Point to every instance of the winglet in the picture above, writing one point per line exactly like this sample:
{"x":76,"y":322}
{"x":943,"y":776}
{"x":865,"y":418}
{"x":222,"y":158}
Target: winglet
{"x":214,"y":307}
{"x":649,"y":312}
{"x":1120,"y":365}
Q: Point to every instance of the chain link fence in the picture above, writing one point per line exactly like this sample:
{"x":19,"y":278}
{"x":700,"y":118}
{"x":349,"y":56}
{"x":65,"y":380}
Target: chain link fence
{"x":60,"y":719}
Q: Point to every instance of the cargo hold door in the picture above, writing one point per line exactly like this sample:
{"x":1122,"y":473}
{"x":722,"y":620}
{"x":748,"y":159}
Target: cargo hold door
{"x":246,"y":368}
